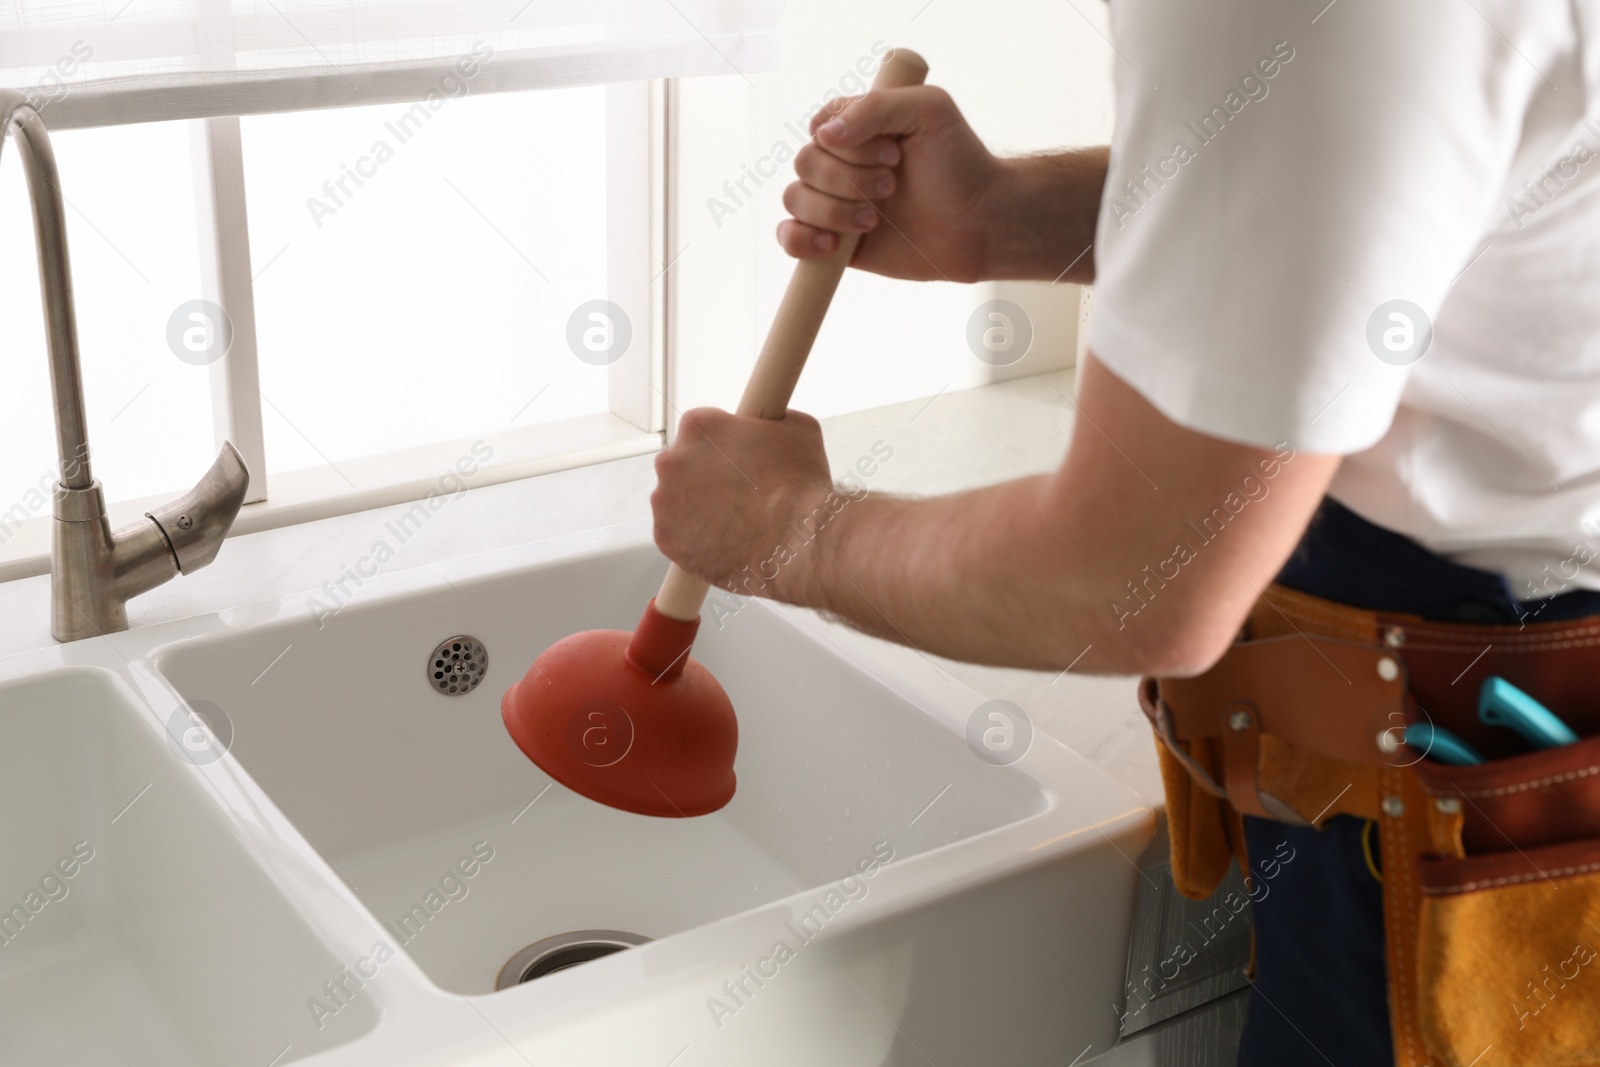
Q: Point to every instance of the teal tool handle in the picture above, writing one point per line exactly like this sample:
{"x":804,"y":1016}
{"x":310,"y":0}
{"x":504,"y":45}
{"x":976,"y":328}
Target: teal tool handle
{"x":1437,"y":743}
{"x":1502,"y":704}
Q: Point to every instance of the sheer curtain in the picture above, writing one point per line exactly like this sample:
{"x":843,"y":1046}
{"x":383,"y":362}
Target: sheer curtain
{"x":103,"y":62}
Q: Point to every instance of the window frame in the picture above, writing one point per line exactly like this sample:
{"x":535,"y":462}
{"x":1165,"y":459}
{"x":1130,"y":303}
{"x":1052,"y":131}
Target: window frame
{"x":639,"y":117}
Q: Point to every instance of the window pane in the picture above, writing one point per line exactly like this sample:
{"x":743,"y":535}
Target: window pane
{"x":416,"y":268}
{"x":131,"y":241}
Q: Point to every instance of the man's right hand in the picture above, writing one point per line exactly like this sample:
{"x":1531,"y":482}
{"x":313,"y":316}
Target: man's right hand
{"x":907,"y":154}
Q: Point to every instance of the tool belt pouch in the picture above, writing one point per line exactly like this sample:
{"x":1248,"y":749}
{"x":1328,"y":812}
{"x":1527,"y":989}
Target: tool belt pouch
{"x":1508,"y":933}
{"x":1491,"y":872}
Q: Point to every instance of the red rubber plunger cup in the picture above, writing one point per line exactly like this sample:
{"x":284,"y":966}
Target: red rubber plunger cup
{"x":629,"y":720}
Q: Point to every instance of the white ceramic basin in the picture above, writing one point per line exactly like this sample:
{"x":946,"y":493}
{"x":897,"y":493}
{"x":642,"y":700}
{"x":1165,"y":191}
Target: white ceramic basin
{"x":393,"y":782}
{"x":135,"y":927}
{"x":874,"y":894}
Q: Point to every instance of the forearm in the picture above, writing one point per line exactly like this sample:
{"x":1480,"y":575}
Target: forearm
{"x":1044,"y":215}
{"x":1091,"y":566}
{"x":975,"y":577}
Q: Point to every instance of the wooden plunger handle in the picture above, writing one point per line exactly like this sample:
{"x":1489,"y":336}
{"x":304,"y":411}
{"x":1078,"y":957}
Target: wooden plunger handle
{"x":794,"y":329}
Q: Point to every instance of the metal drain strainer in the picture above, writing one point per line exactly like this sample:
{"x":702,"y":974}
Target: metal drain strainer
{"x":562,"y":951}
{"x":458,"y":665}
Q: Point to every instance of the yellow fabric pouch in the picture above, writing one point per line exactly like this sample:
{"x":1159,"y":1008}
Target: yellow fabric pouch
{"x":1508,"y":957}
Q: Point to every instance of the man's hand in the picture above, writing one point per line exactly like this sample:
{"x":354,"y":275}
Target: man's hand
{"x":903,"y":168}
{"x":905,"y":153}
{"x":732,"y":491}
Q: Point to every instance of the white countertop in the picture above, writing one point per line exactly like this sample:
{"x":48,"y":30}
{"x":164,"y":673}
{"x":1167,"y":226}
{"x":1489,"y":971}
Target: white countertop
{"x":956,"y":441}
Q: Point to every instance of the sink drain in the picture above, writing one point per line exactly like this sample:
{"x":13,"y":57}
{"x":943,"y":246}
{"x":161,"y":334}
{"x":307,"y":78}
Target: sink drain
{"x":458,"y":665}
{"x":562,"y":951}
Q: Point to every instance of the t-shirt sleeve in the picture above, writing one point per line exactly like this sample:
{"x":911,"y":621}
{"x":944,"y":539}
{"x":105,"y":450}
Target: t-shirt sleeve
{"x":1280,"y":190}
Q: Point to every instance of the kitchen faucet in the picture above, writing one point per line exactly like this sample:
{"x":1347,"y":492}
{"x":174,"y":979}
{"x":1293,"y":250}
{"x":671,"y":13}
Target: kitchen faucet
{"x":94,"y":570}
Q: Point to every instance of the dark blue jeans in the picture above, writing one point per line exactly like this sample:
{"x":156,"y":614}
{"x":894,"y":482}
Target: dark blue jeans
{"x":1320,"y":993}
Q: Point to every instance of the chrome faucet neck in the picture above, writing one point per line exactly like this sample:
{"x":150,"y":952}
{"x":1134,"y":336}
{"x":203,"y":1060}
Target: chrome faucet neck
{"x":22,"y":122}
{"x":95,"y":570}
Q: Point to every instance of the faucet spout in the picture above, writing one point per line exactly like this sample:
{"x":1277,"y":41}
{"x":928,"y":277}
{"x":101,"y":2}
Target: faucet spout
{"x":195,"y":523}
{"x":94,"y":569}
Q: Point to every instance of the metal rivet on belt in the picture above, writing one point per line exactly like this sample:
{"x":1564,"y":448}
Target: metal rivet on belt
{"x":1393,"y":807}
{"x":1447,"y":806}
{"x":1394,"y":636}
{"x":1239,"y":720}
{"x":1388,"y":669}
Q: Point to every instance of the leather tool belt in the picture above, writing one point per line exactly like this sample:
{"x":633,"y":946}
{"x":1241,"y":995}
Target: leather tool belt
{"x":1491,"y":873}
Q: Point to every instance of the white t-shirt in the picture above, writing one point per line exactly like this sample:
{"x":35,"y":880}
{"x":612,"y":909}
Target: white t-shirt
{"x":1282,"y":172}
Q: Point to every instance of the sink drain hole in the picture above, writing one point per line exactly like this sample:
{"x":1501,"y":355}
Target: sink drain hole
{"x":457,"y":665}
{"x":562,"y":951}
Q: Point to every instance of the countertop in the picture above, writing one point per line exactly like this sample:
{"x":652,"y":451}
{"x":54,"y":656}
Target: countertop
{"x":953,"y":441}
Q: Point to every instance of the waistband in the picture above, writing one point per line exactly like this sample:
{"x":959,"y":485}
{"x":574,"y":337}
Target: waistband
{"x":1345,"y":558}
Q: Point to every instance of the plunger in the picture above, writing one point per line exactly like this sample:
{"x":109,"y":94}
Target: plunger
{"x":631,"y":720}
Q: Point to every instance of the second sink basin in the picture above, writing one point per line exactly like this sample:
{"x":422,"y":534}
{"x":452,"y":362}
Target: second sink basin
{"x":135,"y":928}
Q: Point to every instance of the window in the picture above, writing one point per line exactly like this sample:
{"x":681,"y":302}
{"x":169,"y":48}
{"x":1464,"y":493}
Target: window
{"x":413,"y":275}
{"x":431,"y":225}
{"x":428,"y":300}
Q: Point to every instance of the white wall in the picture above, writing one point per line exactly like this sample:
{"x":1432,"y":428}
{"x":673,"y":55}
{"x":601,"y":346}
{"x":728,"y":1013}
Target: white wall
{"x":1029,"y":74}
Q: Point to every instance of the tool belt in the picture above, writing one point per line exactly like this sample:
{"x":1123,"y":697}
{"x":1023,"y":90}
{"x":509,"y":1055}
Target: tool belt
{"x":1491,"y":873}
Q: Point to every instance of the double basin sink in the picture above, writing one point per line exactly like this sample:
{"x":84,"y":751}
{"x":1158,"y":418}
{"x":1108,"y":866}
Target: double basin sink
{"x":266,"y":836}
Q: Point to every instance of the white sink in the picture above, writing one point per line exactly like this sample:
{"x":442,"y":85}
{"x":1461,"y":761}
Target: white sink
{"x":990,"y":927}
{"x":135,"y":927}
